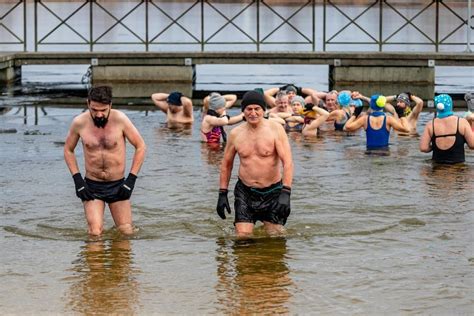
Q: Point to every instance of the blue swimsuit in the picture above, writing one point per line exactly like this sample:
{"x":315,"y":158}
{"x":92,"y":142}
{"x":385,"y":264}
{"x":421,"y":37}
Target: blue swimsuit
{"x":377,"y":138}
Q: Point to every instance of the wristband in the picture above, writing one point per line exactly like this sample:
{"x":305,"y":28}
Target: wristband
{"x":286,"y":188}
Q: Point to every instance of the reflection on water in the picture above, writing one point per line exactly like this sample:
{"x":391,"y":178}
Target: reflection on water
{"x":212,"y":154}
{"x":253,"y":276}
{"x":103,"y":279}
{"x":448,"y":180}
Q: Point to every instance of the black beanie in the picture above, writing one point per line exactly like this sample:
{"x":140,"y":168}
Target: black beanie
{"x":253,"y":97}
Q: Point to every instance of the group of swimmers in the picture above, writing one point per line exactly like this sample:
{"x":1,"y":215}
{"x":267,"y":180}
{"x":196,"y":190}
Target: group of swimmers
{"x":311,"y":112}
{"x":265,"y":174}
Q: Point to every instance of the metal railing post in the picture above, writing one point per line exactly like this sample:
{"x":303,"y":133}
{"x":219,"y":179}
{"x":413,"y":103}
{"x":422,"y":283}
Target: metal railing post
{"x":380,"y":24}
{"x":314,"y":26}
{"x":24,"y":26}
{"x":469,"y":26}
{"x":258,"y":25}
{"x":324,"y":26}
{"x":36,"y":24}
{"x":146,"y":26}
{"x":437,"y":27}
{"x":202,"y":25}
{"x":91,"y":29}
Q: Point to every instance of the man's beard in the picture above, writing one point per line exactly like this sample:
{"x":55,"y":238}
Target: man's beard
{"x":100,"y":122}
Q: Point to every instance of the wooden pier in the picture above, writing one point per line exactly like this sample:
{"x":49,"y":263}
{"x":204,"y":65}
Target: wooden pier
{"x":385,"y":72}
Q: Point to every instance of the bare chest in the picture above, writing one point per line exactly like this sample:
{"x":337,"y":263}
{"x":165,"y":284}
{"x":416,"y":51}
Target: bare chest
{"x":107,"y":139}
{"x":250,"y":147}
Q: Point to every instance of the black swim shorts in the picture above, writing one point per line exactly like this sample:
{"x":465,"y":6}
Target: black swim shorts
{"x":105,"y":190}
{"x":252,"y":204}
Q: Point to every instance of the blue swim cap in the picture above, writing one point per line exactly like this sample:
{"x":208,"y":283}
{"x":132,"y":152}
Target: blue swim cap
{"x":444,"y":105}
{"x":344,"y":98}
{"x":377,"y":102}
{"x":356,"y":102}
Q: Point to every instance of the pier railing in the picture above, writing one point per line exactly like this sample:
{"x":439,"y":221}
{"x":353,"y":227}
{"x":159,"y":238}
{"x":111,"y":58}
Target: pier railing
{"x":255,"y":25}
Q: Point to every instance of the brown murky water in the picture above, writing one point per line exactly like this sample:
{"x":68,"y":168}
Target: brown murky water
{"x":367,"y":234}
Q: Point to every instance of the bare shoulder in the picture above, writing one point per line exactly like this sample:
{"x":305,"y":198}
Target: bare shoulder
{"x":119,"y":116}
{"x":80,"y":120}
{"x":237,"y":130}
{"x":186,"y":100}
{"x":275,"y":126}
{"x":464,"y":123}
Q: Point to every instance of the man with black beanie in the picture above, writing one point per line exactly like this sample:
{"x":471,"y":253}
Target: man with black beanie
{"x":261,"y":193}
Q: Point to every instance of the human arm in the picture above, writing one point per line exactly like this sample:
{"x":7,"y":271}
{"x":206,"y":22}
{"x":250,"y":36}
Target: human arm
{"x":229,"y":100}
{"x":227,"y":161}
{"x":397,"y":124}
{"x":358,"y":95}
{"x":70,"y":144}
{"x":277,"y":119}
{"x":295,"y":118}
{"x":236,"y":119}
{"x":226,"y":171}
{"x":418,"y":105}
{"x":316,"y":96}
{"x":425,"y":139}
{"x":212,"y":121}
{"x":467,"y":132}
{"x":311,"y":128}
{"x":82,"y":191}
{"x":187,"y":106}
{"x":336,"y":115}
{"x":159,"y":99}
{"x":391,"y":109}
{"x":284,"y":153}
{"x":354,"y":123}
{"x":470,"y":118}
{"x":307,"y":91}
{"x":323,"y":115}
{"x":205,"y":104}
{"x":135,"y":139}
{"x":282,"y":115}
{"x":269,"y":96}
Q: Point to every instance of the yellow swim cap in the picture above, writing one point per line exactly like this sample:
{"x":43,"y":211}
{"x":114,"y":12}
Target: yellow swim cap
{"x":381,"y":100}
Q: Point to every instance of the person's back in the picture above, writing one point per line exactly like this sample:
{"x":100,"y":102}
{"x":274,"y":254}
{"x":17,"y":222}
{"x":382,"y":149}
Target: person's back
{"x":377,"y":124}
{"x":447,"y":141}
{"x":377,"y":132}
{"x":446,"y":134}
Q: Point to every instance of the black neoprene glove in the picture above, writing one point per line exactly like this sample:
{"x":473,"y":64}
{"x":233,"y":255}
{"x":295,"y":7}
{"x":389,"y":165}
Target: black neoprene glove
{"x":400,"y":111}
{"x":125,"y":190}
{"x":308,"y":106}
{"x":409,"y":95}
{"x":284,"y":201}
{"x":357,"y":111}
{"x":82,"y":191}
{"x":223,"y":203}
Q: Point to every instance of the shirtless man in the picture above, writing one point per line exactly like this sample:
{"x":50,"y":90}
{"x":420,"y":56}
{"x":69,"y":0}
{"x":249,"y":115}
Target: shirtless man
{"x":282,"y":110}
{"x":405,"y":111}
{"x":103,"y":132}
{"x":261,"y":193}
{"x":178,"y":108}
